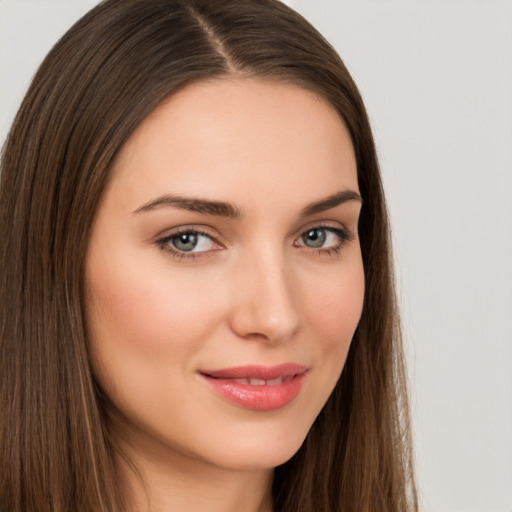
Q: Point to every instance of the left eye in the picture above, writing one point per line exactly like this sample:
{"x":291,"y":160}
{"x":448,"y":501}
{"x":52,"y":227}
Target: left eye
{"x":190,"y":241}
{"x":322,"y":238}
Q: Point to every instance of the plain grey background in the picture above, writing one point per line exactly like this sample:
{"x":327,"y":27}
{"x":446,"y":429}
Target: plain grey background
{"x":436,"y":76}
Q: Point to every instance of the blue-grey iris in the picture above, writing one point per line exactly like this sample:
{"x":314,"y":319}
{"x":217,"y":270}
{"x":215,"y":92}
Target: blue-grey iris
{"x":185,"y":241}
{"x":314,"y":237}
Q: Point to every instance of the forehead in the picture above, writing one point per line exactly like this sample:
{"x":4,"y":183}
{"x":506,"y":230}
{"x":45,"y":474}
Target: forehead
{"x":242,"y":137}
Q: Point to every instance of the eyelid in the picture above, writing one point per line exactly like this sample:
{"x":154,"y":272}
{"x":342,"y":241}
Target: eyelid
{"x":188,"y":228}
{"x":163,"y":241}
{"x":325,"y":224}
{"x":344,"y":234}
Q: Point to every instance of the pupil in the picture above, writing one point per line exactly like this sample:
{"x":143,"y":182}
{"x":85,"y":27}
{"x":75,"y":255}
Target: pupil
{"x":185,"y":241}
{"x":314,"y":238}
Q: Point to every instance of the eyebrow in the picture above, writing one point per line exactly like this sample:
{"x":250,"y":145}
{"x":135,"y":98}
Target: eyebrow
{"x":223,"y":209}
{"x":331,"y":202}
{"x":192,"y":204}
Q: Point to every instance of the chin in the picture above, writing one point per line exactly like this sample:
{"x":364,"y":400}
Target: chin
{"x":257,"y":450}
{"x":258,"y":459}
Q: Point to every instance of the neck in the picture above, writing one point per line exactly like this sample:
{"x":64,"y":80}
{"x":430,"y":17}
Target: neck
{"x":179,"y":482}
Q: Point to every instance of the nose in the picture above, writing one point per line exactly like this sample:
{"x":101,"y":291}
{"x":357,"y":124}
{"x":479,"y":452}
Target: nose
{"x":263,"y":303}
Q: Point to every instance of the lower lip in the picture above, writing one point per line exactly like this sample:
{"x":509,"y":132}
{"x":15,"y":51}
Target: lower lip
{"x":258,"y":398}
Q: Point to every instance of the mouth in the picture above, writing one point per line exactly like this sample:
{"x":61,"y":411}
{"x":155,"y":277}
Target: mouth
{"x":259,"y":388}
{"x":255,"y":381}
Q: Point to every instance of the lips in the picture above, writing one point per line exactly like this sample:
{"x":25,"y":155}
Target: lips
{"x":261,"y":388}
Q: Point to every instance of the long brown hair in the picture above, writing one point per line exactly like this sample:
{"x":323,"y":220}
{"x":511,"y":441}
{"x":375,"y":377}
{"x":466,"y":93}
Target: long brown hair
{"x":105,"y":75}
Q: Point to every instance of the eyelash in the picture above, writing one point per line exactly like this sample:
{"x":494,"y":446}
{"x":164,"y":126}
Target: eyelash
{"x":344,"y":236}
{"x":165,"y":244}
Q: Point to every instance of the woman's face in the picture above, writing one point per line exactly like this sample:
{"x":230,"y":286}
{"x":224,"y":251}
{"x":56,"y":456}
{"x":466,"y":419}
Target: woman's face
{"x":224,"y":278}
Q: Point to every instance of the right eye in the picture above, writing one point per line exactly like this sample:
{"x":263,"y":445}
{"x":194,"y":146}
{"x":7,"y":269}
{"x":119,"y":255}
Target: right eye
{"x":188,"y":242}
{"x":191,"y":241}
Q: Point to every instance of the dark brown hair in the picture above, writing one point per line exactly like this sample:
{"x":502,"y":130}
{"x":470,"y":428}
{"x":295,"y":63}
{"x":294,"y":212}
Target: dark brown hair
{"x":105,"y":75}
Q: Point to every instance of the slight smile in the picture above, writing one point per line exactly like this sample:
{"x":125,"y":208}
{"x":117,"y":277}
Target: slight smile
{"x":260,"y":388}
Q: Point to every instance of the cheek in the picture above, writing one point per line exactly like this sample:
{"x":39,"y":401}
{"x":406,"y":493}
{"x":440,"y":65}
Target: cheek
{"x":139,"y":319}
{"x":335,"y":309}
{"x":334,"y":312}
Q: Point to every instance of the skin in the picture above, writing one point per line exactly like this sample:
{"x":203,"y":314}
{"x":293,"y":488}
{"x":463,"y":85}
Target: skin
{"x":253,"y":291}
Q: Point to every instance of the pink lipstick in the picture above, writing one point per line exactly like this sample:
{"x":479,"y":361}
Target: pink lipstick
{"x":261,"y":388}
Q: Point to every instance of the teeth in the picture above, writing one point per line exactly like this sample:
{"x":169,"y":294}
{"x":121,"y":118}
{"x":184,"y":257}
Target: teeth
{"x":275,"y":382}
{"x":241,"y":381}
{"x":256,"y":382}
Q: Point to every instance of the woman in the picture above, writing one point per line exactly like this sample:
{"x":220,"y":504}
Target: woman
{"x":198,"y":311}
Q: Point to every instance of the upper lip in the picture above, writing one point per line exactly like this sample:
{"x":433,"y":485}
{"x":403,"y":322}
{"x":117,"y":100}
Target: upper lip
{"x":257,"y":371}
